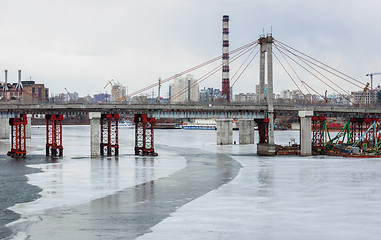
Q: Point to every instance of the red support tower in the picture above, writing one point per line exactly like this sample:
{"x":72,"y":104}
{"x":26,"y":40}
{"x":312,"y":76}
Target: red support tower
{"x":144,"y":135}
{"x":357,"y":129}
{"x":263,"y":126}
{"x":18,"y":136}
{"x":318,"y":129}
{"x":109,"y":134}
{"x":54,"y":135}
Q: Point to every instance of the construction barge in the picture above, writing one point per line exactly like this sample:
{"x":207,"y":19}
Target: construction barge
{"x":358,"y":138}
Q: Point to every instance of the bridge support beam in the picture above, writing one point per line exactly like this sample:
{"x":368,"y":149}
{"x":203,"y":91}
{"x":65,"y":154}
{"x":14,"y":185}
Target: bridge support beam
{"x":224,"y":131}
{"x":246,"y":131}
{"x":109,"y":135}
{"x":4,"y":128}
{"x":144,"y":135}
{"x":305,"y":133}
{"x":95,"y":118}
{"x":18,"y":137}
{"x":54,"y":146}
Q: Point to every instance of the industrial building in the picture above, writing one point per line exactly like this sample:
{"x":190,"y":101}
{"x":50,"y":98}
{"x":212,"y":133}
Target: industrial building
{"x":25,"y":91}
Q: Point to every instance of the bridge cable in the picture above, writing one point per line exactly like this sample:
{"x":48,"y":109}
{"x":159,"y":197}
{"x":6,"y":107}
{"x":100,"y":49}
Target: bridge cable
{"x":284,"y":46}
{"x":311,"y":72}
{"x":245,"y":68}
{"x":231,"y":79}
{"x":297,"y":75}
{"x":216,"y":69}
{"x":212,"y":72}
{"x":291,"y":77}
{"x":302,"y":59}
{"x":191,"y":69}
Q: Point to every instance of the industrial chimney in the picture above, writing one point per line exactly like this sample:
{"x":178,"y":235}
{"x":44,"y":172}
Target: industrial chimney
{"x":225,"y":58}
{"x":5,"y":88}
{"x":19,"y":84}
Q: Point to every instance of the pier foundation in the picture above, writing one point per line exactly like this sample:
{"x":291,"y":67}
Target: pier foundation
{"x":95,"y":118}
{"x":305,"y":133}
{"x":224,"y":131}
{"x":4,"y":128}
{"x":246,"y":131}
{"x":29,"y":126}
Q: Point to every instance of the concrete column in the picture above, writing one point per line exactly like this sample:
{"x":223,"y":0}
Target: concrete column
{"x":4,"y":128}
{"x":262,"y":61}
{"x":224,"y":131}
{"x":95,"y":126}
{"x":28,"y":130}
{"x":246,"y":131}
{"x":305,"y":132}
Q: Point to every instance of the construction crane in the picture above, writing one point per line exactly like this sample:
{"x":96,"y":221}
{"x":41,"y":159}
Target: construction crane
{"x":363,"y":95}
{"x":115,"y":89}
{"x":69,"y":95}
{"x":371,"y":83}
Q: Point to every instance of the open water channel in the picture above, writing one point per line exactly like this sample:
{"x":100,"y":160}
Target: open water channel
{"x":194,"y":189}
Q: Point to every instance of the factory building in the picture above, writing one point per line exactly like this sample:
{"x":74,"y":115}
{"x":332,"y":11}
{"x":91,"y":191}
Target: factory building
{"x":25,"y":91}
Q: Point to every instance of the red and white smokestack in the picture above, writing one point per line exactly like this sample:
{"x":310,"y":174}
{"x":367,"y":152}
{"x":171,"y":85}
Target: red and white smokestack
{"x":5,"y":88}
{"x":225,"y":58}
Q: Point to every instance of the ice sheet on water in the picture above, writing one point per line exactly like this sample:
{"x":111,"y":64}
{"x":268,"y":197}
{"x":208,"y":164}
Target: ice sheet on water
{"x":76,"y":181}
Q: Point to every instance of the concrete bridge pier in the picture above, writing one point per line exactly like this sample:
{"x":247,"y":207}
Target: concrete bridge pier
{"x":246,"y":131}
{"x":4,"y":128}
{"x":29,"y":126}
{"x":224,"y":131}
{"x":305,"y":132}
{"x":95,"y":118}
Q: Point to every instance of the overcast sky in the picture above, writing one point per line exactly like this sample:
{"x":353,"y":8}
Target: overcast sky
{"x":81,"y":44}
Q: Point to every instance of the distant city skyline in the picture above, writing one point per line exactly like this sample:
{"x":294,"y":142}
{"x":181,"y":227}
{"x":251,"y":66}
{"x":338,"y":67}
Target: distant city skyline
{"x":80,"y":45}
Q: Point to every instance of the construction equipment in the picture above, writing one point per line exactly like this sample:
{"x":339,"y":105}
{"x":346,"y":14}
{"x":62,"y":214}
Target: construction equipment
{"x":115,"y":88}
{"x":371,"y":83}
{"x":364,"y":92}
{"x":71,"y":98}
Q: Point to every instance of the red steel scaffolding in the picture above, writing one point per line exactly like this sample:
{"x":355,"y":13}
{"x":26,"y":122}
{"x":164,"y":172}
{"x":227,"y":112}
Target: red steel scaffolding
{"x":54,"y":135}
{"x":18,"y":136}
{"x":144,"y":135}
{"x":318,"y":131}
{"x":109,"y":134}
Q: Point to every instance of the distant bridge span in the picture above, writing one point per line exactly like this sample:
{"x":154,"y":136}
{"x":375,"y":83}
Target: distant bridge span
{"x":240,"y":111}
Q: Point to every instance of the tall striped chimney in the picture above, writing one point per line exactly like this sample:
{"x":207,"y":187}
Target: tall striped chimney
{"x":225,"y":58}
{"x":5,"y":88}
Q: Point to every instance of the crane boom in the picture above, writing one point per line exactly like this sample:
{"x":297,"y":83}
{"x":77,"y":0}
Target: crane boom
{"x":371,"y":83}
{"x":69,"y":95}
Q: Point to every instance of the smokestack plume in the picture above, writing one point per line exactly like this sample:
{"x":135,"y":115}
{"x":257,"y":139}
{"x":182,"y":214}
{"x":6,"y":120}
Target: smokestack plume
{"x":225,"y":58}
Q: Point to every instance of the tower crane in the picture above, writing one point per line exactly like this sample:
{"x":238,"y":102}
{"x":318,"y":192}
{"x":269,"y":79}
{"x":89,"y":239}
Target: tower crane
{"x":371,"y":83}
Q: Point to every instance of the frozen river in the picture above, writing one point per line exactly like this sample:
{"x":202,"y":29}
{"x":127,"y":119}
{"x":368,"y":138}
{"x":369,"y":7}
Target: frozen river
{"x":195,"y":189}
